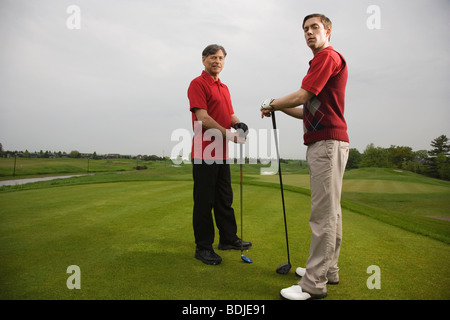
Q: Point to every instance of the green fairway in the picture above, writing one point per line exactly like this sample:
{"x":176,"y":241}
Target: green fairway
{"x":131,"y":235}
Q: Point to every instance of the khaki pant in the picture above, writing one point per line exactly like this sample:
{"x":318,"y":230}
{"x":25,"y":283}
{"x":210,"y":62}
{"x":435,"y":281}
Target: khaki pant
{"x":326,"y":160}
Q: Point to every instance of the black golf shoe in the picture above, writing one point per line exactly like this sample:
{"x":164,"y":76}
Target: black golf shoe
{"x":235,"y":245}
{"x":207,"y":256}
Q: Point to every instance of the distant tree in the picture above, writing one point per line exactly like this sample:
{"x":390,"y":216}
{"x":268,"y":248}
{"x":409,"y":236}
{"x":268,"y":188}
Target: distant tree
{"x":442,"y":166}
{"x":74,"y":154}
{"x":400,"y":156}
{"x":374,"y":157}
{"x":438,"y":163}
{"x":354,"y":158}
{"x":418,"y":162}
{"x":421,"y":155}
{"x":440,"y":145}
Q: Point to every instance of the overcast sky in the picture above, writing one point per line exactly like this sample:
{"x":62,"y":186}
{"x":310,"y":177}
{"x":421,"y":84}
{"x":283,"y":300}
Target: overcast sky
{"x":119,"y":83}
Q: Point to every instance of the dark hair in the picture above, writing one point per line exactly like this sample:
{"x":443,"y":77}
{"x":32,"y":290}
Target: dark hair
{"x":325,"y":20}
{"x":212,"y":49}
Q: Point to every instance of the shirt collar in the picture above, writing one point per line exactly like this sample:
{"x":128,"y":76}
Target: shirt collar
{"x":210,"y":79}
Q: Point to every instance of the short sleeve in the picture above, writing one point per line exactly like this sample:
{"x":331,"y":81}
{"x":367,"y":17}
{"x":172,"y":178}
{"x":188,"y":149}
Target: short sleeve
{"x":322,"y":68}
{"x":197,"y":96}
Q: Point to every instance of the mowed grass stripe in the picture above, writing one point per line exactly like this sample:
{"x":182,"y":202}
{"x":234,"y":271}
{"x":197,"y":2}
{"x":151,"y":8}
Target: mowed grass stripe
{"x":363,"y":185}
{"x":384,"y":186}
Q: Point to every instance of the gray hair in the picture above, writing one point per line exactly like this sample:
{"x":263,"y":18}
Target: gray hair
{"x":212,"y":49}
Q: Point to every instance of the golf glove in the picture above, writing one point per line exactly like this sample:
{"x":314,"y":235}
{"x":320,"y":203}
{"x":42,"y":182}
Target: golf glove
{"x":241,"y":126}
{"x":266,"y":105}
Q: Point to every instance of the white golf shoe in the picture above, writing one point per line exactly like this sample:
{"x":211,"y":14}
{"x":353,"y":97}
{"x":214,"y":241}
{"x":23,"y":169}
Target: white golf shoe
{"x":300,"y":271}
{"x":294,"y":293}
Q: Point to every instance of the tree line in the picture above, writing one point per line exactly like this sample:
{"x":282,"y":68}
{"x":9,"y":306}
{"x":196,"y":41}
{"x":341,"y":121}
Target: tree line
{"x":73,"y":154}
{"x":434,"y":163}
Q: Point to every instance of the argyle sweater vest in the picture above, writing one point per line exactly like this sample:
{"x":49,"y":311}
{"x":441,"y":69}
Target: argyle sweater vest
{"x":323,"y":115}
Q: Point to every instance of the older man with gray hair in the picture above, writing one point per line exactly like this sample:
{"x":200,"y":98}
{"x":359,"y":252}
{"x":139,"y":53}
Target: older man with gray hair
{"x":212,"y":112}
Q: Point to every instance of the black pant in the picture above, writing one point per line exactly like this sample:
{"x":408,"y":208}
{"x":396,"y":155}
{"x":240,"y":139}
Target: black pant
{"x":212,"y":190}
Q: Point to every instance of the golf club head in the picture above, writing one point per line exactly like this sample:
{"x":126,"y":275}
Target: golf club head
{"x":284,"y":268}
{"x":246,"y":259}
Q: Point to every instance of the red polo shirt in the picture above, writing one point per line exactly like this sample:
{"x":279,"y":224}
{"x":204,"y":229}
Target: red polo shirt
{"x":213,"y":96}
{"x":323,"y":115}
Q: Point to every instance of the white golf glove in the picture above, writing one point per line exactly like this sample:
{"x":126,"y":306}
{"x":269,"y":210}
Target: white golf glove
{"x":266,"y":105}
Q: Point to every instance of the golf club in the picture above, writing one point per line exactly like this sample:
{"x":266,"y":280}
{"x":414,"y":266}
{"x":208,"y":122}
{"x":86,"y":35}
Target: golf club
{"x":244,"y":258}
{"x":285,"y":267}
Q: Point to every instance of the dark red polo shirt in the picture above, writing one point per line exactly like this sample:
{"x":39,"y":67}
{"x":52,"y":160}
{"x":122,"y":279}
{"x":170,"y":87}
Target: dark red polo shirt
{"x":323,"y":115}
{"x":213,"y":96}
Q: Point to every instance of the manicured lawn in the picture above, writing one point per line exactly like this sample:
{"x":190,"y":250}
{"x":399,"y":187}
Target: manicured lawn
{"x":132,"y":239}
